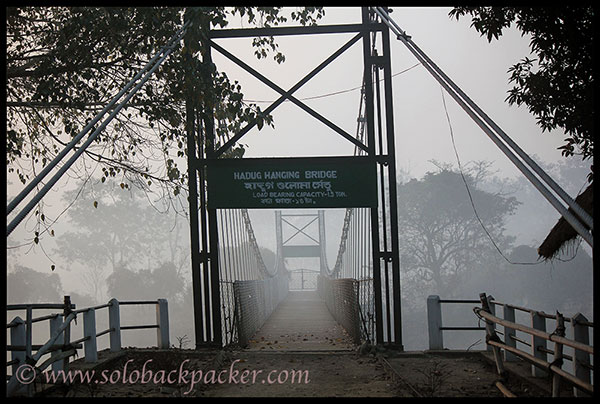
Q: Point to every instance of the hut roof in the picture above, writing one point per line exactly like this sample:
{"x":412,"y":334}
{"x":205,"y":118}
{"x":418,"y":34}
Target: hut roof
{"x":563,"y":234}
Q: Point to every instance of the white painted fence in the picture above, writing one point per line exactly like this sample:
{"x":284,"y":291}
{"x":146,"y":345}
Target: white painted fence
{"x":60,"y":347}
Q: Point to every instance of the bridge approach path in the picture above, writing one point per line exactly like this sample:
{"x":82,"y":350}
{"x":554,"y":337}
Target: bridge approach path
{"x":301,"y":322}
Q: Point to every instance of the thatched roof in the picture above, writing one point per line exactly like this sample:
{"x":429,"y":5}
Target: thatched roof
{"x":562,"y":234}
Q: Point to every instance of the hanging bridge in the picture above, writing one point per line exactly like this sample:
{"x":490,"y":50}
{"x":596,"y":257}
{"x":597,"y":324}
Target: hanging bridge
{"x":296,"y":309}
{"x":237,"y":294}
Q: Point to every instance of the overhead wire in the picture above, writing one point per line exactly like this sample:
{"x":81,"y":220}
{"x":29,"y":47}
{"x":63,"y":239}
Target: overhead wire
{"x":461,"y":171}
{"x":496,"y":134}
{"x":314,"y":97}
{"x":439,"y":75}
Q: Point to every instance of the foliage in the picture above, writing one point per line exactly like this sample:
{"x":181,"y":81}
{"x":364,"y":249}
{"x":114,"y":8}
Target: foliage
{"x":118,"y":229}
{"x":558,"y":85}
{"x":160,"y":281}
{"x":565,"y":284}
{"x":269,"y":258}
{"x":440,"y":237}
{"x":163,"y":281}
{"x":26,"y":285}
{"x":535,"y":216}
{"x":64,"y":64}
{"x":122,"y":228}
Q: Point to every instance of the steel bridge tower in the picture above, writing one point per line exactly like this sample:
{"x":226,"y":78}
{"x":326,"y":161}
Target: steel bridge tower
{"x":376,"y":149}
{"x":316,"y":247}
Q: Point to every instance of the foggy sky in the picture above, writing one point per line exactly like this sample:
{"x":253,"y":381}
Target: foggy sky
{"x":421,"y":129}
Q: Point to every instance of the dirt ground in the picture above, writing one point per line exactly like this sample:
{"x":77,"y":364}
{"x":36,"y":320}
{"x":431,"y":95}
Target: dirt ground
{"x":247,"y":373}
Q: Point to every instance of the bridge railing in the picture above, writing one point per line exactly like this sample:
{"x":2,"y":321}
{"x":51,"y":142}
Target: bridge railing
{"x":60,"y":347}
{"x":255,"y":301}
{"x":434,"y":320}
{"x":516,"y":347}
{"x":341,"y":298}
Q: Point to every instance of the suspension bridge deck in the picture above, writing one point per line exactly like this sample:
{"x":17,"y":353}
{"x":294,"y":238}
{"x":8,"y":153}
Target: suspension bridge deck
{"x":301,"y":322}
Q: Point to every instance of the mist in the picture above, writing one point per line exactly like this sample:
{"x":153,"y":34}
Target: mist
{"x":130,"y":244}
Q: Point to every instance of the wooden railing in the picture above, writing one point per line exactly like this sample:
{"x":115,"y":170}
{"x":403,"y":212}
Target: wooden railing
{"x":533,"y":347}
{"x":537,"y":356}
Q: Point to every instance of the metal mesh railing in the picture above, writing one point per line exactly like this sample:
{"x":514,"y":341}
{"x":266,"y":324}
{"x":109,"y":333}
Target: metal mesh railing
{"x":341,"y":298}
{"x":255,"y":301}
{"x":249,"y":291}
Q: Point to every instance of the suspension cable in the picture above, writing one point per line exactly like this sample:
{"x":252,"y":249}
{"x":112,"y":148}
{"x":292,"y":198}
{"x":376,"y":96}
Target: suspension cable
{"x":520,"y":152}
{"x":149,"y":68}
{"x":254,"y":246}
{"x":481,"y":119}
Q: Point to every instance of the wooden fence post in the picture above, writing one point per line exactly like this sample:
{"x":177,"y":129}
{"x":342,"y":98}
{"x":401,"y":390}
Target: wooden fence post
{"x":114,"y":323}
{"x":89,"y":330}
{"x":28,"y":332}
{"x":55,"y":324}
{"x":492,"y":311}
{"x":17,"y":337}
{"x":509,"y":315}
{"x":434,"y":322}
{"x":581,"y":360}
{"x":67,"y":333}
{"x":491,"y":335}
{"x":539,"y":323}
{"x":162,"y":319}
{"x":558,"y":354}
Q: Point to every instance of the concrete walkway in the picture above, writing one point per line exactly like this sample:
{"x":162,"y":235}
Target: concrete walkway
{"x":301,"y":322}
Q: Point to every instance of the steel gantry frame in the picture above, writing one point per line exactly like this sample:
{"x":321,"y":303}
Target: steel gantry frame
{"x":379,"y":148}
{"x":315,"y":249}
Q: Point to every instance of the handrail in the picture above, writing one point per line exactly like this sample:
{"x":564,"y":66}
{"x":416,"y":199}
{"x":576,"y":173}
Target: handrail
{"x":13,"y":383}
{"x":434,"y":320}
{"x":137,"y":302}
{"x":541,"y":313}
{"x":64,"y":349}
{"x":581,"y":379}
{"x":532,"y":331}
{"x":36,"y":306}
{"x":543,"y":364}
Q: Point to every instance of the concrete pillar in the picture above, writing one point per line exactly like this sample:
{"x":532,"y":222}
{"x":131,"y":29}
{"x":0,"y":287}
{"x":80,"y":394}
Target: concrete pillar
{"x":434,"y":322}
{"x":114,"y":323}
{"x":90,"y":346}
{"x":55,"y":324}
{"x":162,"y":319}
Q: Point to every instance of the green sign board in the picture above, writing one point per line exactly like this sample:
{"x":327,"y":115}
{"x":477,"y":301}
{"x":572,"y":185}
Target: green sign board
{"x":312,"y":182}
